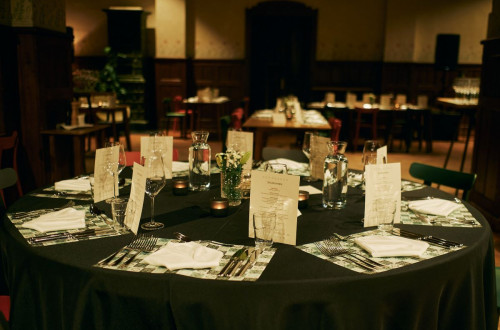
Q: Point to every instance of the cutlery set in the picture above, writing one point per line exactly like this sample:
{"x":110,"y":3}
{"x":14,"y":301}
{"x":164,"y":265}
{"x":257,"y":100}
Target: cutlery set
{"x":240,"y":262}
{"x":427,"y":238}
{"x":37,"y":213}
{"x":331,"y":247}
{"x":75,"y":235}
{"x":142,"y":243}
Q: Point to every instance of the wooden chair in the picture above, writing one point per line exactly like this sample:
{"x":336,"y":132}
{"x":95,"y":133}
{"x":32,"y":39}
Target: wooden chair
{"x":180,"y":113}
{"x":8,"y":178}
{"x":431,"y":174}
{"x":9,"y":144}
{"x":365,"y":118}
{"x":270,"y":153}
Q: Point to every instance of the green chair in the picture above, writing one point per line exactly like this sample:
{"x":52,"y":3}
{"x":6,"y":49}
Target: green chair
{"x":431,"y":174}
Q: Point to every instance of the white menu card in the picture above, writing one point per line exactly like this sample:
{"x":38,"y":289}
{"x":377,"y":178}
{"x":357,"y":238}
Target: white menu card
{"x":383,"y":181}
{"x":166,"y":145}
{"x":136,"y":199}
{"x":244,"y":141}
{"x":319,"y":151}
{"x":103,"y":180}
{"x":382,"y":155}
{"x":274,"y":192}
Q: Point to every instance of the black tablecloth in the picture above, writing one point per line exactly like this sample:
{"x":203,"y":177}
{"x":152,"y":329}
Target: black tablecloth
{"x":56,"y":287}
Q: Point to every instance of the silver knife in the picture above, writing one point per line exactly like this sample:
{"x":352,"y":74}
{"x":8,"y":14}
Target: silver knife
{"x":253,"y":256}
{"x":242,"y":257}
{"x":77,"y":235}
{"x":231,"y":261}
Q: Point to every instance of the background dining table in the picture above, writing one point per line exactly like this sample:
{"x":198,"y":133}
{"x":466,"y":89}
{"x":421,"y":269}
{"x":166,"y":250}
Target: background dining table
{"x":58,"y":286}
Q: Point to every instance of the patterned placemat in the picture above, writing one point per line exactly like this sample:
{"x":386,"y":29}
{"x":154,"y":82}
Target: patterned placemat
{"x":458,"y":218}
{"x":389,"y":262}
{"x":91,"y":222}
{"x":302,"y":170}
{"x":252,"y":274}
{"x":51,"y":192}
{"x":355,"y":179}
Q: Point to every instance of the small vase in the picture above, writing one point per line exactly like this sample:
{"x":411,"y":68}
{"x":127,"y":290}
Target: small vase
{"x":230,"y":185}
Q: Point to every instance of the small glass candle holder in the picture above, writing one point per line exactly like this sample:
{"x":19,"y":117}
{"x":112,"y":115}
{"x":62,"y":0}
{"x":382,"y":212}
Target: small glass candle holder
{"x":303,"y":199}
{"x":219,"y":207}
{"x":180,"y":187}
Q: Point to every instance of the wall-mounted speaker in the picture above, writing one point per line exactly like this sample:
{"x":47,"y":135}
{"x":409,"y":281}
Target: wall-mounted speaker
{"x":447,"y":46}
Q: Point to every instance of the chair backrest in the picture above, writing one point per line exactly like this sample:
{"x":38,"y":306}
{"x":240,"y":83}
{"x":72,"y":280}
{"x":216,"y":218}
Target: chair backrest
{"x":10,"y":143}
{"x":8,"y":178}
{"x":237,"y":118}
{"x":269,"y":153}
{"x":432,"y":174}
{"x":336,"y":125}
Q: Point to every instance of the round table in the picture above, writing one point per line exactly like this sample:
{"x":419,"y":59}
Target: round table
{"x":57,"y":287}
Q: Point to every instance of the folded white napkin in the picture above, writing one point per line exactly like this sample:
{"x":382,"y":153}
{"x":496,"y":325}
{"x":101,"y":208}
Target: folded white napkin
{"x":290,"y":164}
{"x":185,"y":255}
{"x":180,"y":166}
{"x":434,"y":206}
{"x":64,"y":219}
{"x":73,"y":184}
{"x":391,"y":246}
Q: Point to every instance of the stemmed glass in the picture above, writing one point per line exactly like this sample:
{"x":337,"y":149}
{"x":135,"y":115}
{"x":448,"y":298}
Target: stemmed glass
{"x":306,"y":149}
{"x":369,"y":156}
{"x":155,"y":181}
{"x":115,"y":168}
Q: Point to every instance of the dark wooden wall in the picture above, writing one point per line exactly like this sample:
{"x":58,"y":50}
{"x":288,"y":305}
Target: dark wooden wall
{"x":36,"y":80}
{"x":486,"y":159}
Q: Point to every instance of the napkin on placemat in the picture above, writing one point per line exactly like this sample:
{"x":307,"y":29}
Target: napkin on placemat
{"x":434,"y":206}
{"x":290,"y":164}
{"x":180,"y":166}
{"x":391,"y":246}
{"x":73,"y":184}
{"x":64,"y":219}
{"x":185,"y":255}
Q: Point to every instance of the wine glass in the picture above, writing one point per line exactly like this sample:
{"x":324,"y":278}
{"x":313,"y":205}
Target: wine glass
{"x":155,"y":181}
{"x":369,"y":156}
{"x":113,"y":167}
{"x":306,"y":149}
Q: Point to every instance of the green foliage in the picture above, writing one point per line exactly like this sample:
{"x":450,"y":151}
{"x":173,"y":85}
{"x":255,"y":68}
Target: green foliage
{"x":108,"y":78}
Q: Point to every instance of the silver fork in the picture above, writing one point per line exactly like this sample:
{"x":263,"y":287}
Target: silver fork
{"x":148,"y":245}
{"x":111,"y":257}
{"x":141,"y":244}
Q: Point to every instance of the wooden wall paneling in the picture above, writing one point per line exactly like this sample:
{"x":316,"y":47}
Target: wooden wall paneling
{"x":170,"y":78}
{"x":486,"y":157}
{"x":9,"y":96}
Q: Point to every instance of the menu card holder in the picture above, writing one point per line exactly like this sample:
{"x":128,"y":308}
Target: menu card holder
{"x":274,"y":192}
{"x":244,"y":141}
{"x":103,"y":180}
{"x":383,"y":181}
{"x":166,"y":145}
{"x":136,"y":199}
{"x":319,"y":151}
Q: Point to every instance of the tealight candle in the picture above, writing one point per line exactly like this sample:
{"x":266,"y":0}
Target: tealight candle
{"x":219,"y":207}
{"x":180,"y":187}
{"x":303,"y":199}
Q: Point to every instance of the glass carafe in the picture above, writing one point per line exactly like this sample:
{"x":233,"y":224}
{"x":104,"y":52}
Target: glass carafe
{"x":199,"y":162}
{"x":335,"y":176}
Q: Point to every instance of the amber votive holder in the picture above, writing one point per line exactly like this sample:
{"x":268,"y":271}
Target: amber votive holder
{"x":219,"y":207}
{"x":303,"y":199}
{"x":180,"y":187}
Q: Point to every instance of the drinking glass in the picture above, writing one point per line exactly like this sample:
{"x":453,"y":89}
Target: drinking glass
{"x":369,"y":156}
{"x":306,"y":149}
{"x":385,"y":209}
{"x":276,"y":168}
{"x":118,"y":210}
{"x":263,"y":225}
{"x":115,"y":168}
{"x":155,"y":181}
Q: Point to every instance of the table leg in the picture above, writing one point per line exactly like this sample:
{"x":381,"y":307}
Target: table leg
{"x":469,"y":129}
{"x":259,"y":144}
{"x":78,"y":154}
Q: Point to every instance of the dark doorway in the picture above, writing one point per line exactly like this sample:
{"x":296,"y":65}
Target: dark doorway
{"x":281,"y":47}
